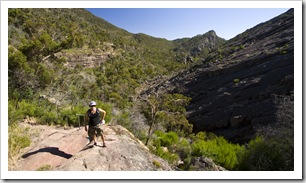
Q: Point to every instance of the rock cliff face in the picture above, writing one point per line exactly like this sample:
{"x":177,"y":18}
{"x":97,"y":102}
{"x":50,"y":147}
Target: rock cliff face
{"x":234,"y":91}
{"x":87,"y":58}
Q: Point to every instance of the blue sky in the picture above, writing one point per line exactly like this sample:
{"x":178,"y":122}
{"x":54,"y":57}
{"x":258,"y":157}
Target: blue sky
{"x":174,"y":23}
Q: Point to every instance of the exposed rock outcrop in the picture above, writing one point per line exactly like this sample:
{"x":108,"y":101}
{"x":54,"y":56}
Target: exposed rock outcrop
{"x":204,"y":164}
{"x":124,"y":152}
{"x":54,"y":148}
{"x":50,"y":146}
{"x":234,"y":90}
{"x":87,"y":58}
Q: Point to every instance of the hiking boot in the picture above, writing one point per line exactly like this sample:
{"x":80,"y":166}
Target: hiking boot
{"x":104,"y":145}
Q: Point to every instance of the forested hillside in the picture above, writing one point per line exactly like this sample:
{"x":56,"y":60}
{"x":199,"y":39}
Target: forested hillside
{"x":60,"y":59}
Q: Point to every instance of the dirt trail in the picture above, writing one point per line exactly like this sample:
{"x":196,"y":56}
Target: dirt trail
{"x":52,"y":147}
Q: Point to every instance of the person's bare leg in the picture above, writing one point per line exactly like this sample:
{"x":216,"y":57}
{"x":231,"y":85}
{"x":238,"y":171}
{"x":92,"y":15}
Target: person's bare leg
{"x":94,"y":139}
{"x":102,"y":138}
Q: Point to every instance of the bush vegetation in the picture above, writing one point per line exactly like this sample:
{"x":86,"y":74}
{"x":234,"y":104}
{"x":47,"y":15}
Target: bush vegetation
{"x":271,"y":150}
{"x":219,"y":150}
{"x":173,"y":148}
{"x":18,"y":139}
{"x":40,"y":85}
{"x":259,"y":154}
{"x":45,"y":168}
{"x":274,"y":148}
{"x":156,"y":163}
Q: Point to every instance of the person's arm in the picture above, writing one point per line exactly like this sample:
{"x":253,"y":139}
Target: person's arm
{"x":86,"y":120}
{"x":104,"y":113}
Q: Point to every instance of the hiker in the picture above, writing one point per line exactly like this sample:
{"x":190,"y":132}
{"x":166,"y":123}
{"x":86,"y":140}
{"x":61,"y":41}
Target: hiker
{"x":93,"y":119}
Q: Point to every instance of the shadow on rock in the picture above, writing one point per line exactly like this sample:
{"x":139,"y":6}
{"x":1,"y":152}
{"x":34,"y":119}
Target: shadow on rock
{"x":52,"y":150}
{"x":87,"y":147}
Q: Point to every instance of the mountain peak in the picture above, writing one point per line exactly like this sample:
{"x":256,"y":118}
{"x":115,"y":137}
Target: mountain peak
{"x":212,"y":33}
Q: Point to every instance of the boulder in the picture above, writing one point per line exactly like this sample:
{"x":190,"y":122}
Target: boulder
{"x":204,"y":164}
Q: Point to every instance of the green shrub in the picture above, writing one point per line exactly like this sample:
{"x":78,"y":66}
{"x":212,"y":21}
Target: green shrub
{"x":221,"y":151}
{"x":118,"y":100}
{"x":169,"y":139}
{"x":16,"y":60}
{"x":26,"y":109}
{"x":13,"y":115}
{"x":69,"y":115}
{"x":140,"y":134}
{"x":46,"y":75}
{"x":45,"y":168}
{"x":265,"y":155}
{"x":167,"y":155}
{"x":165,"y":145}
{"x":236,"y":80}
{"x":156,"y":163}
{"x":18,"y":138}
{"x":108,"y":108}
{"x":50,"y":118}
{"x":202,"y":136}
{"x":183,"y":150}
{"x":124,"y":120}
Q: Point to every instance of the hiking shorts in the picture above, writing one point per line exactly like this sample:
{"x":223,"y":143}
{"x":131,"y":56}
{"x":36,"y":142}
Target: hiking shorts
{"x":94,"y":130}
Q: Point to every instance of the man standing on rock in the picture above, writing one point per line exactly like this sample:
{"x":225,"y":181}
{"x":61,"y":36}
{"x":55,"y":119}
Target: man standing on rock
{"x":93,"y":119}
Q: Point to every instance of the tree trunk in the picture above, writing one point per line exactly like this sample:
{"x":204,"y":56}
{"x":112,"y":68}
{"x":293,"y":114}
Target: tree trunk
{"x":149,"y":133}
{"x":152,"y":123}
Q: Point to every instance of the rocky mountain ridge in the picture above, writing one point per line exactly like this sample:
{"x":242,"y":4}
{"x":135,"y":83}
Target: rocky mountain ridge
{"x":235,"y":90}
